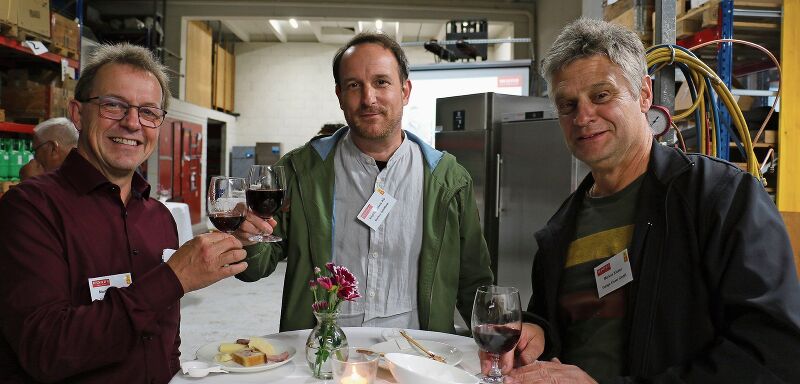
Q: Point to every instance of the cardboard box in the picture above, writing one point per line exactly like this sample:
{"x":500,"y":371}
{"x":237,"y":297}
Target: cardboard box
{"x":64,"y":32}
{"x":636,"y":15}
{"x":8,"y":11}
{"x":34,"y":16}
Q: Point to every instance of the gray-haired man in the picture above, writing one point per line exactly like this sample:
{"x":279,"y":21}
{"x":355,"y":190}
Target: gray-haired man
{"x":662,"y":266}
{"x":52,"y":141}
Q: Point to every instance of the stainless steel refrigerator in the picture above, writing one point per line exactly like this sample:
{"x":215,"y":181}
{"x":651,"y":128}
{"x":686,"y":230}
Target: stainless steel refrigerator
{"x":521,"y":168}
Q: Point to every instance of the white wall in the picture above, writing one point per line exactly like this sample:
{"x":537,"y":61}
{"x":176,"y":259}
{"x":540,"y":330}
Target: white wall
{"x":285,"y":91}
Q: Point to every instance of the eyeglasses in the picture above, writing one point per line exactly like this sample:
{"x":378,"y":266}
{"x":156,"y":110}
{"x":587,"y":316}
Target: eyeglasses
{"x":35,"y":149}
{"x":116,"y":109}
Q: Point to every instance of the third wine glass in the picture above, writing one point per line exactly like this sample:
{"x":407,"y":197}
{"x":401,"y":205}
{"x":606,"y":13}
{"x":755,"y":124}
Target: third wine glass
{"x":496,"y":324}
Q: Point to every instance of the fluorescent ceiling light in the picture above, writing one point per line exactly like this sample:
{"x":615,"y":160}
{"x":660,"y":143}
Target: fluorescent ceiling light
{"x":379,"y":24}
{"x":293,"y":23}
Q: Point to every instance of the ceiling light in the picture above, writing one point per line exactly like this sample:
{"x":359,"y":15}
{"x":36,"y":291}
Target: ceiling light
{"x":293,"y":23}
{"x":379,"y":24}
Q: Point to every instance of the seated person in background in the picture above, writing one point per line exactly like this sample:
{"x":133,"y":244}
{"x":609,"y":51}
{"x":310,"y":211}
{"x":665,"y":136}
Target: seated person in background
{"x":706,"y":289}
{"x":52,"y":141}
{"x":30,"y":169}
{"x":85,"y":295}
{"x":426,"y":257}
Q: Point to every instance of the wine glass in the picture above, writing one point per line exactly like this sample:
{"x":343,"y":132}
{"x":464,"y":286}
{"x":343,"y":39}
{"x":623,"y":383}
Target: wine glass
{"x":226,"y":198}
{"x":496,"y":324}
{"x":266,"y":186}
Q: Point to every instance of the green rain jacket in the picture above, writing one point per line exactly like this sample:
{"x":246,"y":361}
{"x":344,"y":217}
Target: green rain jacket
{"x":454,"y":260}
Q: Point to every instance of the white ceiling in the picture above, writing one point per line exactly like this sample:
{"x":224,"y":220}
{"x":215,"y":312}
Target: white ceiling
{"x":323,"y":30}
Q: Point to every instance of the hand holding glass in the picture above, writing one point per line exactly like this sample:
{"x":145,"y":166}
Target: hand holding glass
{"x":266,"y":186}
{"x":226,"y":198}
{"x":496,"y":324}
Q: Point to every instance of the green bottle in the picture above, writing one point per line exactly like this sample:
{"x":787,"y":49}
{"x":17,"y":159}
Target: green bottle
{"x":16,"y":156}
{"x":4,"y":160}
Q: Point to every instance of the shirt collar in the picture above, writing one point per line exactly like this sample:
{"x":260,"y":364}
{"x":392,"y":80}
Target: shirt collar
{"x":85,"y":178}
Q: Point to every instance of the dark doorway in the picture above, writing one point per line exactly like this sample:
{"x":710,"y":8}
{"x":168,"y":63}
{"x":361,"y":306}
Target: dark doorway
{"x":215,"y":153}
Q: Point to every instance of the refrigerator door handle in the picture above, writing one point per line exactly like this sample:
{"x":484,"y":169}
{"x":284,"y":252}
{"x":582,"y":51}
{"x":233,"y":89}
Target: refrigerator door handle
{"x":498,"y":174}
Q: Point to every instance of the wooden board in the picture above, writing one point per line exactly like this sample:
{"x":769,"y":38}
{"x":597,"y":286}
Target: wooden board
{"x":788,"y":197}
{"x":198,"y":63}
{"x":230,"y":80}
{"x":792,"y":220}
{"x":218,"y":89}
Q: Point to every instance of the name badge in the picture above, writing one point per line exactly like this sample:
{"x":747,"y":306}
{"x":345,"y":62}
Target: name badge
{"x":613,"y":273}
{"x":377,"y":208}
{"x":99,"y":285}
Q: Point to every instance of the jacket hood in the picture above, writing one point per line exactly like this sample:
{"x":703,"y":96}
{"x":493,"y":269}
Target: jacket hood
{"x":324,"y":146}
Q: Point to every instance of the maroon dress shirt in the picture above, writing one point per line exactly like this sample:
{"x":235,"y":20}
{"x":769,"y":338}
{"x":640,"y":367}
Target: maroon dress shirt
{"x":57,"y":231}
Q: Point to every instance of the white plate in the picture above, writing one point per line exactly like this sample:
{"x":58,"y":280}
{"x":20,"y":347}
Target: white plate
{"x":451,"y":354}
{"x":207,"y":352}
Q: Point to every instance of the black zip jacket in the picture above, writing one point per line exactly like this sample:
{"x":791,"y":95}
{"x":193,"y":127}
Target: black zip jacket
{"x":715,"y":296}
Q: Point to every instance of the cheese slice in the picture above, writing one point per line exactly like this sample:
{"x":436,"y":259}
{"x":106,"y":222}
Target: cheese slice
{"x":262,"y":345}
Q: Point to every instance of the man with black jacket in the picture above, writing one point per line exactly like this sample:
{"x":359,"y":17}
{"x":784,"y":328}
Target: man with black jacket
{"x":661,"y":267}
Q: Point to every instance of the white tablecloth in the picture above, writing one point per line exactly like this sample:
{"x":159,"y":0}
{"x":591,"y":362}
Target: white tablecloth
{"x":297,"y":371}
{"x":180,"y":212}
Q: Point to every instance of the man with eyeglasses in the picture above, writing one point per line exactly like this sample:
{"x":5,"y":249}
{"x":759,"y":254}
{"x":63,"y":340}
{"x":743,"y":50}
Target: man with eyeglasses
{"x":53,"y":139}
{"x":85,"y":295}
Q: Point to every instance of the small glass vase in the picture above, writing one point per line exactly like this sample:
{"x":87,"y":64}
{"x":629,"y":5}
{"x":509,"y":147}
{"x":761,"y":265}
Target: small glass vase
{"x":323,"y":339}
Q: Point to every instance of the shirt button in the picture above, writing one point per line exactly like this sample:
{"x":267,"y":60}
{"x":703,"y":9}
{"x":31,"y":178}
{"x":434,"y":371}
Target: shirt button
{"x":373,"y":255}
{"x":147,"y":337}
{"x":371,"y":293}
{"x":135,"y":252}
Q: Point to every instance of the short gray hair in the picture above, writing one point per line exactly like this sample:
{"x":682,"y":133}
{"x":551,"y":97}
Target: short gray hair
{"x":58,"y":129}
{"x":588,"y":37}
{"x":125,"y":54}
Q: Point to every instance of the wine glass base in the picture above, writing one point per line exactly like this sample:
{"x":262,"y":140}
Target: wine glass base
{"x":490,"y":379}
{"x":265,"y":239}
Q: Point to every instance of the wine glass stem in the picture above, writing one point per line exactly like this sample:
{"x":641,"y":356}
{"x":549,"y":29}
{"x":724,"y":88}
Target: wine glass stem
{"x":495,"y":372}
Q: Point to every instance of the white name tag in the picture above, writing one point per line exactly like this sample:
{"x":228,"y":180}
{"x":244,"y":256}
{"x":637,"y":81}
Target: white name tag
{"x":99,"y":285}
{"x":613,"y":273}
{"x":377,"y":208}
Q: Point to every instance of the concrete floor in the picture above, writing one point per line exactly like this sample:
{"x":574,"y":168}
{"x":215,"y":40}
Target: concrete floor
{"x":230,"y":309}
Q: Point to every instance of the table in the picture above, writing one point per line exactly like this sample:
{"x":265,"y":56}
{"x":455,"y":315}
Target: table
{"x":180,"y":212}
{"x":296,"y":371}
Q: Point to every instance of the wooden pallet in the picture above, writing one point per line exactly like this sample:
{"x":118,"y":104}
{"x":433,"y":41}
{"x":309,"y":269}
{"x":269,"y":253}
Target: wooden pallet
{"x":59,"y":50}
{"x":8,"y":29}
{"x":707,"y":15}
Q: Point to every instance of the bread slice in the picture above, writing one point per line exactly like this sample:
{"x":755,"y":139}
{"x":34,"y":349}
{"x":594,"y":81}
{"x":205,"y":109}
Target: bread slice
{"x":249,"y":357}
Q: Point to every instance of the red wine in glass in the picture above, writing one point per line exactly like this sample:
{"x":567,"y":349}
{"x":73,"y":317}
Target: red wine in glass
{"x":266,"y":186}
{"x":265,"y":202}
{"x":496,"y":324}
{"x":497,"y":339}
{"x":226,"y":222}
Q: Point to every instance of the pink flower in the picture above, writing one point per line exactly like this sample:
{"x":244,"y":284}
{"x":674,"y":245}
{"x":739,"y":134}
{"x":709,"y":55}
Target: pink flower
{"x":343,"y":277}
{"x":330,"y":267}
{"x":319,"y":306}
{"x":348,"y":293}
{"x":317,"y":270}
{"x":312,"y":284}
{"x":325,"y":282}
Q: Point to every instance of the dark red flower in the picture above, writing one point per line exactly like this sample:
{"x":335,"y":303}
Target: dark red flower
{"x":319,"y":306}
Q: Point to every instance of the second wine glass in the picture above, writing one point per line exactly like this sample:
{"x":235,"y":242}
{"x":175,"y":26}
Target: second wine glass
{"x":496,"y":324}
{"x":226,"y":202}
{"x":266,"y":186}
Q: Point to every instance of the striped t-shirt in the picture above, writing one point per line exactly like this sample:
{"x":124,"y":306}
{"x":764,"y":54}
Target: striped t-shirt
{"x":594,"y":338}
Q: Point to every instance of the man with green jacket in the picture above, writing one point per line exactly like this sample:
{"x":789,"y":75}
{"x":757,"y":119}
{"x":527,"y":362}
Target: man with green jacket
{"x":416,"y":262}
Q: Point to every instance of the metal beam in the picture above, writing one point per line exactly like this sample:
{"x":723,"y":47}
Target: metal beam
{"x":276,"y":29}
{"x":664,"y":84}
{"x":725,"y":73}
{"x":239,"y":32}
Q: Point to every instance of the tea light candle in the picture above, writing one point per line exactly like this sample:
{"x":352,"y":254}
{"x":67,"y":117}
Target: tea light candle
{"x":354,"y":378}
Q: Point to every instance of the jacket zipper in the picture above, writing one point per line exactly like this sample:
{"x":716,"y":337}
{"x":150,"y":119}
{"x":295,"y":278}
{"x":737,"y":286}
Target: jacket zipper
{"x":657,"y":282}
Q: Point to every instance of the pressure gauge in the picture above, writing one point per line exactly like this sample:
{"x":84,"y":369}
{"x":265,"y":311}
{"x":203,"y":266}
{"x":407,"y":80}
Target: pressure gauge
{"x":659,"y":119}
